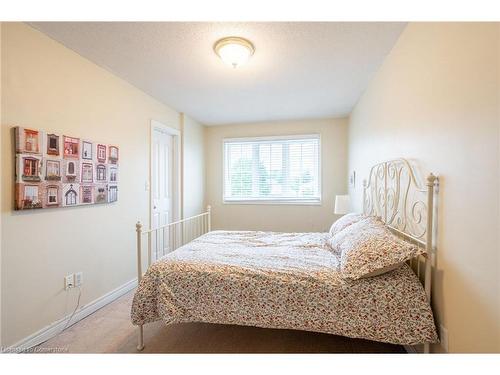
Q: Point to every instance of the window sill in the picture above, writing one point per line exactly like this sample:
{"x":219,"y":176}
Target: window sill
{"x":278,"y":202}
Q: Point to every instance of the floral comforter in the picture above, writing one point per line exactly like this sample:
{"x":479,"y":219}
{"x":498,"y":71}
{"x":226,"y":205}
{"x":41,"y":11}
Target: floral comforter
{"x":281,"y":280}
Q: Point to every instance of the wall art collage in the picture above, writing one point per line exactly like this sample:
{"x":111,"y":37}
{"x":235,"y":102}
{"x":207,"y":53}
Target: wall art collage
{"x":55,"y":170}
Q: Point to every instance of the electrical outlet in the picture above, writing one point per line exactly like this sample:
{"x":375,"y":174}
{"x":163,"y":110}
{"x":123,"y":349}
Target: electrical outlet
{"x":78,"y":278}
{"x":443,"y":337}
{"x":69,"y":282}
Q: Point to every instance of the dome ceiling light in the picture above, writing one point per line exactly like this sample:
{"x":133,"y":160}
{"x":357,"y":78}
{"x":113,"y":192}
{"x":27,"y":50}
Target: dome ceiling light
{"x":234,"y":51}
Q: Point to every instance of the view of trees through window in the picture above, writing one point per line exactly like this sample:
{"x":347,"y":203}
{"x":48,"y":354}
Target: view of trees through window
{"x":272,"y":169}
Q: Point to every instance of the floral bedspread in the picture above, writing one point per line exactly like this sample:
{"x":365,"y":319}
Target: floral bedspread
{"x":281,"y":280}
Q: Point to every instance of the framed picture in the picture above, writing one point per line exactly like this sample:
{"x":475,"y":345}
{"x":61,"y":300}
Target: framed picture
{"x":55,"y":170}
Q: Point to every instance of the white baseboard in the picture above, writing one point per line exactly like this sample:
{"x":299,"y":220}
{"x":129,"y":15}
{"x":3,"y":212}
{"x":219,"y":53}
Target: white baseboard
{"x":55,"y":328}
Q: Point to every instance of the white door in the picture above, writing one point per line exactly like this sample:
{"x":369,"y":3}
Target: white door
{"x":161,"y":181}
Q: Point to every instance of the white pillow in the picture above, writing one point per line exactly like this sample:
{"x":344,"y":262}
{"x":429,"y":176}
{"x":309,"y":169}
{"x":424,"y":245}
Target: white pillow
{"x":344,"y":222}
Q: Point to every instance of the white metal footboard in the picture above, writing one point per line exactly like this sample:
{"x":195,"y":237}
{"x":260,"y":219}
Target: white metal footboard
{"x":165,"y":239}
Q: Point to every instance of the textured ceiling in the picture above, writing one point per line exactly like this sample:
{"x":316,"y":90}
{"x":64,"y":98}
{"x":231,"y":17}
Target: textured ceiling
{"x":298,"y":71}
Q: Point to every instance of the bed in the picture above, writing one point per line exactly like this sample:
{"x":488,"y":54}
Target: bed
{"x":294,"y":280}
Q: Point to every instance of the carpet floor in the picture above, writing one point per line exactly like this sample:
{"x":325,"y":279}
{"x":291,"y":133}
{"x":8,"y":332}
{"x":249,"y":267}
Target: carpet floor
{"x":109,"y":330}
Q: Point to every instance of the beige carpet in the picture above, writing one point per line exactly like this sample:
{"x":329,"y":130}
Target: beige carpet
{"x":109,"y":330}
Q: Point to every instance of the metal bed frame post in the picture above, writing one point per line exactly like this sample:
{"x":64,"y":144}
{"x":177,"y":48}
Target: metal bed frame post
{"x":194,"y":225}
{"x":138,"y":228}
{"x":429,"y":243}
{"x":209,"y":218}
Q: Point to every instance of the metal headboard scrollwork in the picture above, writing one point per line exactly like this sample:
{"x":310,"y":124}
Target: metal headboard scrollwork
{"x":394,"y":193}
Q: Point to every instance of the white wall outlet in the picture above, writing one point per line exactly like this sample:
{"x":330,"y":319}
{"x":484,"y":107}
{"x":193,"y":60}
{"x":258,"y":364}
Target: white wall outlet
{"x":443,"y":337}
{"x":78,"y":278}
{"x":69,"y":282}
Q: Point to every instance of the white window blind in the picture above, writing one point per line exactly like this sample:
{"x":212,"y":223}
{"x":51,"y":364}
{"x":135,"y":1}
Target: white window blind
{"x":272,"y":169}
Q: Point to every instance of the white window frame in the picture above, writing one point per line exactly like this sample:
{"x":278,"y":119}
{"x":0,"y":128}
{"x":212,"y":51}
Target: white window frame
{"x":49,"y":189}
{"x":31,"y":188}
{"x":274,"y":201}
{"x":113,"y":171}
{"x":90,"y":168}
{"x":100,"y":168}
{"x":52,"y":163}
{"x":71,"y":192}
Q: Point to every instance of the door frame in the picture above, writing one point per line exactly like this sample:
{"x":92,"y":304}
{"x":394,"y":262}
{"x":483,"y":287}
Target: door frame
{"x":176,"y":169}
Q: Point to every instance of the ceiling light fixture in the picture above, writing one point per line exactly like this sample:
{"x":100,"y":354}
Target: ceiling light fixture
{"x":233,"y":50}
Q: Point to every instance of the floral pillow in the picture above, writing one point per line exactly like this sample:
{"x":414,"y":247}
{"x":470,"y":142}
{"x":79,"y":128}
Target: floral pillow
{"x":344,"y":222}
{"x":368,"y":248}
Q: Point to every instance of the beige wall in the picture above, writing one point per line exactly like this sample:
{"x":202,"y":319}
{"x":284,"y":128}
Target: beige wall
{"x":193,"y":166}
{"x":435,"y":100}
{"x":47,"y":86}
{"x":279,"y":217}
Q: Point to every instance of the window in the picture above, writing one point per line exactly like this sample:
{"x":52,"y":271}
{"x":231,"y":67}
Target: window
{"x":52,"y":172}
{"x":86,"y":194}
{"x":31,"y":193}
{"x":113,"y":154}
{"x":71,"y":147}
{"x":101,"y":153}
{"x":112,"y":174}
{"x":86,"y":150}
{"x":272,"y":169}
{"x":31,"y":140}
{"x":30,"y":167}
{"x":113,"y":194}
{"x":70,"y":196}
{"x":87,"y":172}
{"x":101,"y":172}
{"x":52,"y":195}
{"x":71,"y":169}
{"x":52,"y":144}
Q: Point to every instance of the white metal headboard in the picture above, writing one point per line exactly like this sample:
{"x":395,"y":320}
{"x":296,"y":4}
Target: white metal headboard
{"x":394,"y":193}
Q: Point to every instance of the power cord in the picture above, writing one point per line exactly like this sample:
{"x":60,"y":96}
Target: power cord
{"x":74,"y":311}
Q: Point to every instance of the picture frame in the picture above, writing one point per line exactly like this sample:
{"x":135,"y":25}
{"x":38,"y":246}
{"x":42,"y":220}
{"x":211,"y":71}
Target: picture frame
{"x":55,"y":170}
